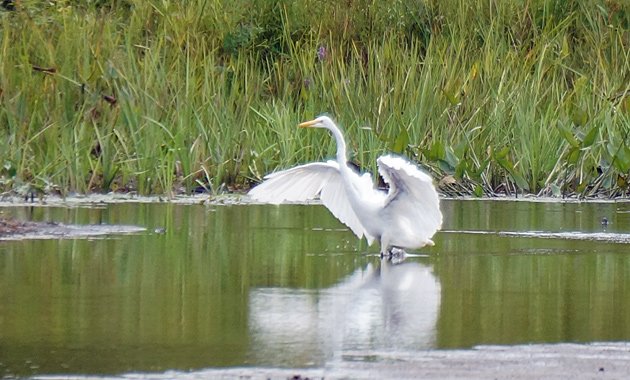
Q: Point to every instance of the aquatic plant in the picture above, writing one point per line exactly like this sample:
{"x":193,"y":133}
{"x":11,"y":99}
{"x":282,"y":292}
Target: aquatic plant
{"x":528,"y":97}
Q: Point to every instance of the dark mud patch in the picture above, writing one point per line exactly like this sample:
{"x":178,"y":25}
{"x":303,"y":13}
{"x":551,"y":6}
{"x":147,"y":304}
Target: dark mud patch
{"x":11,"y":229}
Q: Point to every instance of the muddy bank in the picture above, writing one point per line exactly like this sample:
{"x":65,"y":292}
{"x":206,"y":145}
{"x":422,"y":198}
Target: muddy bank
{"x":15,"y":229}
{"x":11,"y":229}
{"x":96,"y":200}
{"x":556,"y":361}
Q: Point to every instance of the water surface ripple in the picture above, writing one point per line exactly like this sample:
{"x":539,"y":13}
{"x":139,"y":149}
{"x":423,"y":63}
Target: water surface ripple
{"x":252,"y":286}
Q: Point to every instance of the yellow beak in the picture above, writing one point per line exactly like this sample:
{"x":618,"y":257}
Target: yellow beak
{"x":307,"y":124}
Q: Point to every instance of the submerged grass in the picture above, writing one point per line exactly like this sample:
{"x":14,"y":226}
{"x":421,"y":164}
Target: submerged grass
{"x":492,"y":97}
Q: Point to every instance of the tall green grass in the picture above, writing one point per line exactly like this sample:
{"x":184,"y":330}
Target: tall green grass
{"x":164,"y":97}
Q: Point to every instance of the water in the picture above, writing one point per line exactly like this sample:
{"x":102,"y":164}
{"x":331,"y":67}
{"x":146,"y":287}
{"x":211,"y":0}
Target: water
{"x":217,"y":286}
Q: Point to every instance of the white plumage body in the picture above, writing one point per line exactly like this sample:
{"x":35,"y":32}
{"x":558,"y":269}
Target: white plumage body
{"x":406,"y":216}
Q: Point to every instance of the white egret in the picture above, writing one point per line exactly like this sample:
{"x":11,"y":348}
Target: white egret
{"x":405,"y":216}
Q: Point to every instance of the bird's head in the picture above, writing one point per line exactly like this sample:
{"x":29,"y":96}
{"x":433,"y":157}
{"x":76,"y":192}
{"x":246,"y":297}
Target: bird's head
{"x":320,"y":122}
{"x":327,"y":123}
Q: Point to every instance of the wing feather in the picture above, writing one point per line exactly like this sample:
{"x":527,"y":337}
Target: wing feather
{"x":309,"y":181}
{"x":335,"y":198}
{"x":297,"y":184}
{"x":411,"y":197}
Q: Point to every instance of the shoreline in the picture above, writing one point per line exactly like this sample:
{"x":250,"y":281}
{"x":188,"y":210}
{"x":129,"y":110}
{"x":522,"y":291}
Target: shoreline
{"x":94,"y":199}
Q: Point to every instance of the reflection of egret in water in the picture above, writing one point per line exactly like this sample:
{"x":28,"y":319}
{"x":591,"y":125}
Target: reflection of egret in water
{"x":379,"y":308}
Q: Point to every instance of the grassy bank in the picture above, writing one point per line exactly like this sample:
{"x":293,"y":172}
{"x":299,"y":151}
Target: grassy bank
{"x":153,"y":96}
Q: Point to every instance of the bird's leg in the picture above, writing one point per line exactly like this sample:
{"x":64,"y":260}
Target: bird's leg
{"x":394,"y":254}
{"x":384,"y":248}
{"x":398,"y":257}
{"x":397,"y":252}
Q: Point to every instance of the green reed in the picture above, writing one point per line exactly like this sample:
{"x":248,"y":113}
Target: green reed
{"x":162,"y":98}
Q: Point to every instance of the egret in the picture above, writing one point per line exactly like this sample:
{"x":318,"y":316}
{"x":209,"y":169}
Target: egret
{"x":407,"y":215}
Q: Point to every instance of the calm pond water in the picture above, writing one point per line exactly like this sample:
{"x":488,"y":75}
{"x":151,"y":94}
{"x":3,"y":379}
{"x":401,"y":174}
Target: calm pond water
{"x":215,"y":286}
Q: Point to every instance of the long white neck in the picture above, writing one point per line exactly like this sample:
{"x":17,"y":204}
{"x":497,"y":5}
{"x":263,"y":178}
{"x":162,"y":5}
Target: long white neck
{"x":341,"y":145}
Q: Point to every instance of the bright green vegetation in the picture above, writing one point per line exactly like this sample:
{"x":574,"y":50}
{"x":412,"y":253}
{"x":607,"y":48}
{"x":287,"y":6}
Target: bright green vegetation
{"x":525,"y":96}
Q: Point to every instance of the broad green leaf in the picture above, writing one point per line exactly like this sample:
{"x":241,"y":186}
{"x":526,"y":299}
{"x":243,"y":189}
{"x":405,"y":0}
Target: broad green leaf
{"x":451,"y":91}
{"x":612,"y":150}
{"x":502,"y":153}
{"x":568,"y":135}
{"x":622,"y":159}
{"x":589,"y":139}
{"x":445,"y":166}
{"x":519,"y":179}
{"x":574,"y":156}
{"x":461,"y":149}
{"x":437,"y":151}
{"x":579,"y":116}
{"x":504,"y":163}
{"x":450,"y":157}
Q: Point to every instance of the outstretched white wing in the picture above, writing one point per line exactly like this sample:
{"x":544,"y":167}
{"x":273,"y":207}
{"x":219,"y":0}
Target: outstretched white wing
{"x":412,"y":198}
{"x":306,"y":182}
{"x":297,"y":184}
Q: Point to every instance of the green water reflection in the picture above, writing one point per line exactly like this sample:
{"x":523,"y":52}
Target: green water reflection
{"x":264,"y":285}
